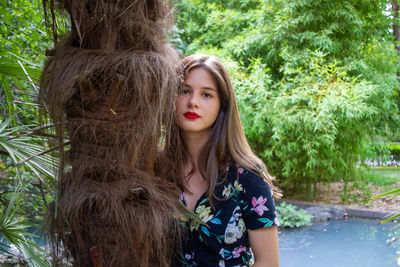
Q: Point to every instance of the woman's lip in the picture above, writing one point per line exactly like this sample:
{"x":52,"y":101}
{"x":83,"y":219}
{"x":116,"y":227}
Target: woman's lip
{"x":191,"y":115}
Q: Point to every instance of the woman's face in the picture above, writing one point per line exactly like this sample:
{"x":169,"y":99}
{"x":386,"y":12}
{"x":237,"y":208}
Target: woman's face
{"x":198,"y":104}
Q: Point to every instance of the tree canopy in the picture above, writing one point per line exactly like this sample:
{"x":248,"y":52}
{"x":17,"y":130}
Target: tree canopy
{"x":316,"y":80}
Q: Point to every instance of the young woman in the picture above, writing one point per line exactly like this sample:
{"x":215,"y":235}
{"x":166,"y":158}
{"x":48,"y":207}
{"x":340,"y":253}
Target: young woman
{"x":222,"y":180}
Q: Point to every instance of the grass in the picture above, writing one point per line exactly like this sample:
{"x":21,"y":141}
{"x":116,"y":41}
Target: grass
{"x":382,"y":176}
{"x":385,"y":168}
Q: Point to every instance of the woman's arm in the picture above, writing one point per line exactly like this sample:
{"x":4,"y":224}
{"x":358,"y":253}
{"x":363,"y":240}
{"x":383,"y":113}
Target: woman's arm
{"x":264,"y":243}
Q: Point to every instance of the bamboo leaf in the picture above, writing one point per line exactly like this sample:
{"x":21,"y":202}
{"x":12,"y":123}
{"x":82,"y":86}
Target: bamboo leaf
{"x":19,"y":70}
{"x":395,"y":191}
{"x":390,"y":218}
{"x":28,"y":76}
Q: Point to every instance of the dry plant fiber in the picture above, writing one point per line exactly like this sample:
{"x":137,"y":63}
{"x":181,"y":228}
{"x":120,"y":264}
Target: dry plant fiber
{"x":109,"y":88}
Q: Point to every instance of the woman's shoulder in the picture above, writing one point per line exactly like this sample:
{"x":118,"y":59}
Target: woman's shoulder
{"x":258,"y":201}
{"x":245,"y":180}
{"x":244,"y":175}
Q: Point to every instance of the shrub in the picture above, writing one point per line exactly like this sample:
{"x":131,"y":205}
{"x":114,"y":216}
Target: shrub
{"x":395,"y":150}
{"x":313,"y":128}
{"x":291,"y":216}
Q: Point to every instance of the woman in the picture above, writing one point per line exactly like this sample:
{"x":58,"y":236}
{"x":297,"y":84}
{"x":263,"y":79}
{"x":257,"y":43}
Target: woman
{"x":222,"y":180}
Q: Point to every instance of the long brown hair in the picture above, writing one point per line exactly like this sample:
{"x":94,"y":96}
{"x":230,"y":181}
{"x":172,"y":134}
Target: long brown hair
{"x":227,"y":142}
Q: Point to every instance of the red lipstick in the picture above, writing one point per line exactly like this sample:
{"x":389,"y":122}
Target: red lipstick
{"x":191,"y":115}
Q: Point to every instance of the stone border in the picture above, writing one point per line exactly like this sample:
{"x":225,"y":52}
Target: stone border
{"x":351,"y":212}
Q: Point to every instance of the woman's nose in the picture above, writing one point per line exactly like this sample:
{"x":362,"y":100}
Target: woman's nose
{"x":193,"y":100}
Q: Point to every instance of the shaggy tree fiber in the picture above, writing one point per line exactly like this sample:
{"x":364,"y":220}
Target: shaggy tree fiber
{"x":109,"y":87}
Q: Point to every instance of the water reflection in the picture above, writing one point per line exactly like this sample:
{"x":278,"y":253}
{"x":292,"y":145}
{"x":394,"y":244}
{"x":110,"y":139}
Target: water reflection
{"x":340,"y":243}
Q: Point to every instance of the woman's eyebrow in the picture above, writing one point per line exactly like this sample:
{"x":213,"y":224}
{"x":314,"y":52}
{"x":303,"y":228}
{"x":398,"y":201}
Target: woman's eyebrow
{"x":209,"y":88}
{"x":205,"y":87}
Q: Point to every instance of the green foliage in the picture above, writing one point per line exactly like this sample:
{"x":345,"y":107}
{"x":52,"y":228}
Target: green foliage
{"x":335,"y":27}
{"x":18,"y":36}
{"x":224,"y":19}
{"x":23,"y":31}
{"x":27,"y":176}
{"x":357,"y":191}
{"x":313,"y":129}
{"x":316,"y":81}
{"x":25,"y":168}
{"x":290,"y":216}
{"x":13,"y":228}
{"x":395,"y":150}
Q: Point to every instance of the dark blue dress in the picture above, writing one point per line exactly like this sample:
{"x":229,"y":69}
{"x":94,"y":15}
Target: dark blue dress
{"x":245,"y":202}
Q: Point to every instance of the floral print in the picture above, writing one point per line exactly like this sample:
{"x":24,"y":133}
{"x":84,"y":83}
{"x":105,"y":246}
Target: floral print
{"x":230,"y":190}
{"x":258,"y":205}
{"x":243,"y":203}
{"x":235,"y":228}
{"x":236,"y":252}
{"x":187,"y":260}
{"x":204,"y":214}
{"x":237,"y":186}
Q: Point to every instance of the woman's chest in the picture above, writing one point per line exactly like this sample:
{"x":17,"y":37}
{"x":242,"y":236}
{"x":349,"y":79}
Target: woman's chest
{"x":195,"y":188}
{"x":223,"y":224}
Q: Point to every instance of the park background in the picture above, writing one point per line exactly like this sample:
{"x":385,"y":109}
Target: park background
{"x":317,"y":84}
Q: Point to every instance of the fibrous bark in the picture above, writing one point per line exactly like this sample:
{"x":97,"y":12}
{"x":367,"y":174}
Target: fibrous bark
{"x":109,"y":87}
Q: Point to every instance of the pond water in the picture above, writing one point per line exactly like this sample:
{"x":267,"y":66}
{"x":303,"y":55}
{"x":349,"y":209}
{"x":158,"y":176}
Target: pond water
{"x":341,"y":243}
{"x":352,"y":242}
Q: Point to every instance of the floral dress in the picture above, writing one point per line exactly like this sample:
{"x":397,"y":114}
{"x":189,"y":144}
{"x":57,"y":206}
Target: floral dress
{"x":244,"y":202}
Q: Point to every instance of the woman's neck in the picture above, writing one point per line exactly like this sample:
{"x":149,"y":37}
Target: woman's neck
{"x":195,"y":141}
{"x":194,"y":184}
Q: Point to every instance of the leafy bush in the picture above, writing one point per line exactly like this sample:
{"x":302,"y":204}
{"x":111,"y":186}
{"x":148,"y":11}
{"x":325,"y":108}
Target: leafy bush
{"x":314,"y":128}
{"x":395,"y":150}
{"x":290,"y":216}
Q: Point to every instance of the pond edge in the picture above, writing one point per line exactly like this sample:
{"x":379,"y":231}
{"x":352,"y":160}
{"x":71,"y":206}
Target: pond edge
{"x":351,"y":212}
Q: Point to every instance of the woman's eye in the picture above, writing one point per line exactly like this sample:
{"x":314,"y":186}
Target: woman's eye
{"x":207,"y":95}
{"x":185,"y":91}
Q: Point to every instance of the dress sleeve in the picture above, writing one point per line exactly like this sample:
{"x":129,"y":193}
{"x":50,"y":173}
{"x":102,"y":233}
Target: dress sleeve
{"x":257,"y":201}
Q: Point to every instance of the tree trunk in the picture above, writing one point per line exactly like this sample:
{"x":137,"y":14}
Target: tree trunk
{"x":315,"y":188}
{"x":109,"y":88}
{"x":308,"y":188}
